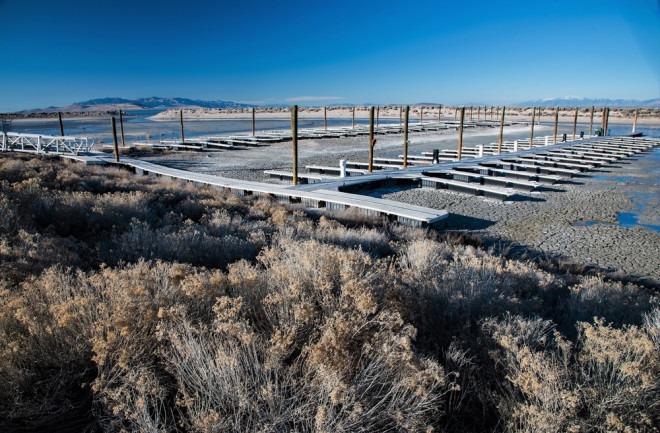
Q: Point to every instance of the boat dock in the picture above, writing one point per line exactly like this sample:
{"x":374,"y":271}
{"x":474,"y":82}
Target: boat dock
{"x":521,"y":170}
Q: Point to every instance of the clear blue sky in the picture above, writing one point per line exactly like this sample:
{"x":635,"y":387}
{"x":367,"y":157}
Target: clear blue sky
{"x":316,"y":53}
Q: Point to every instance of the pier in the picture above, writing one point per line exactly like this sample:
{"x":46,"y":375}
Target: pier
{"x":518,"y":170}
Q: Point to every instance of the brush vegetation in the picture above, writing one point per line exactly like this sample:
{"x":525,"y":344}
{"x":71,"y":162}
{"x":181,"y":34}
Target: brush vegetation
{"x":150,"y":305}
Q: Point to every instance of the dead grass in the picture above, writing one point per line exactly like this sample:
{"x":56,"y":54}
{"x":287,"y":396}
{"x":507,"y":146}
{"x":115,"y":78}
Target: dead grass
{"x":181,"y":308}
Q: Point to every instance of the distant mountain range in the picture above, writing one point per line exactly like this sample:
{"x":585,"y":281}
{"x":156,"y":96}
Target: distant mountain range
{"x":154,"y":102}
{"x":577,"y":101}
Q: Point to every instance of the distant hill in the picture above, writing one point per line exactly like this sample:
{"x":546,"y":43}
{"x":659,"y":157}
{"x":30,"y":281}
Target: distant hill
{"x":153,"y":102}
{"x":577,"y":101}
{"x":156,"y":102}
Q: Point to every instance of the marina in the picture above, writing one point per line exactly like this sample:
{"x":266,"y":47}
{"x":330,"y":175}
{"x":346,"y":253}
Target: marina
{"x":481,"y":172}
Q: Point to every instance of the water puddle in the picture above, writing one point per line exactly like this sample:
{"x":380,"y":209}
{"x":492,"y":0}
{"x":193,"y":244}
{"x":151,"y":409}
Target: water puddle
{"x":629,"y":219}
{"x":616,"y":179}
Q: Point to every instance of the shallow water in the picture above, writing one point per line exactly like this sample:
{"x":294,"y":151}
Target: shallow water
{"x":640,"y":199}
{"x":138,"y":126}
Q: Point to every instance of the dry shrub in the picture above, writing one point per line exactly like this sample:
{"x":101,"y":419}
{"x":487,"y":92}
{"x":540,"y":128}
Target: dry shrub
{"x":139,"y":300}
{"x":369,"y":239}
{"x":190,"y":242}
{"x":218,"y":313}
{"x":45,"y":327}
{"x":456,"y":285}
{"x":619,"y":377}
{"x":537,"y":395}
{"x":613,"y":301}
{"x":330,"y":355}
{"x":652,"y":325}
{"x":607,"y":381}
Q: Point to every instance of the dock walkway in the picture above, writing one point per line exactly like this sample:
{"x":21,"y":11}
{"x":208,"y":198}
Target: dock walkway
{"x":498,"y":176}
{"x":324,"y":197}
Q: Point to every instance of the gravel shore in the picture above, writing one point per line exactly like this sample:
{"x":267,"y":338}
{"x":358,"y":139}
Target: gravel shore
{"x":574,"y":220}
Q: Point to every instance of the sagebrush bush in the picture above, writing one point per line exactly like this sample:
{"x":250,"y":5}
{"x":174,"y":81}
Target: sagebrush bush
{"x":606,"y":381}
{"x":158,"y":305}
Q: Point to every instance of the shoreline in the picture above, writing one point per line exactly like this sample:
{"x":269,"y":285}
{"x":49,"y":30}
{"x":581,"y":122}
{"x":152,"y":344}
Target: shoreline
{"x":646,"y":116}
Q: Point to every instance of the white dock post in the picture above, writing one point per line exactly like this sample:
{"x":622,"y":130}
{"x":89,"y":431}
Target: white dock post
{"x":515,"y":145}
{"x":481,"y":150}
{"x":546,"y":140}
{"x":342,"y":168}
{"x":39,"y":144}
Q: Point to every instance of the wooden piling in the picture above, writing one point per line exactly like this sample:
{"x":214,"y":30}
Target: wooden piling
{"x":554,"y":141}
{"x":114,"y":137}
{"x":606,"y":121}
{"x":575,"y":122}
{"x":121,"y":129}
{"x":635,"y":121}
{"x":325,"y":118}
{"x":371,"y":138}
{"x":539,"y":121}
{"x":253,"y":122}
{"x":531,"y":133}
{"x":378,"y":115}
{"x":460,"y":133}
{"x":470,"y":114}
{"x":499,"y":145}
{"x":181,"y":118}
{"x":439,"y":113}
{"x":591,"y":122}
{"x":421,"y":114}
{"x":294,"y":140}
{"x":405,"y":138}
{"x":479,"y":113}
{"x":353,"y":116}
{"x":59,"y":117}
{"x":400,"y":118}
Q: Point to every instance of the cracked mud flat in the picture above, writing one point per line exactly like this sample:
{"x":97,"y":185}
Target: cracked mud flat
{"x":575,"y":220}
{"x":553,"y":221}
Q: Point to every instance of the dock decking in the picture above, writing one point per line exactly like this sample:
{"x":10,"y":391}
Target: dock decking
{"x":497,"y":176}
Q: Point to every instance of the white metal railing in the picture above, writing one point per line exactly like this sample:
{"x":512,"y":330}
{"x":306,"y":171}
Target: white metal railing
{"x":44,"y":143}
